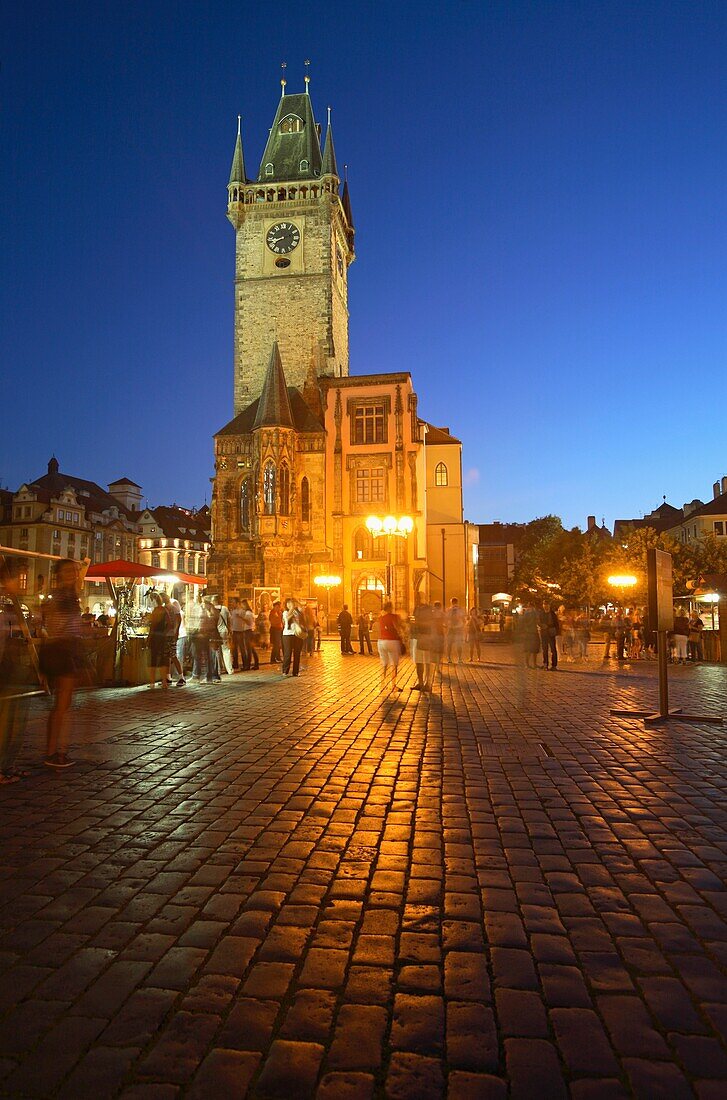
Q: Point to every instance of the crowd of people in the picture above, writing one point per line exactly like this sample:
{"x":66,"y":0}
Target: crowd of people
{"x":561,"y":634}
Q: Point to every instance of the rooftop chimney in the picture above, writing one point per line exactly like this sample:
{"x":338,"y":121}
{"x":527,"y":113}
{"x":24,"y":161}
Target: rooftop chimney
{"x":591,"y":521}
{"x":53,"y":465}
{"x":715,"y":490}
{"x":724,"y":484}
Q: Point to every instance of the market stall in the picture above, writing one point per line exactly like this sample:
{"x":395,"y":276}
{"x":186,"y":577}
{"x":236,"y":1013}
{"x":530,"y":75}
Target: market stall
{"x":129,"y":584}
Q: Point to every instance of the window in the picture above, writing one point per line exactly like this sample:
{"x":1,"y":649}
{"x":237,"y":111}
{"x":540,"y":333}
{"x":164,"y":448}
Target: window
{"x":23,"y":578}
{"x":201,"y":565}
{"x":284,"y":490}
{"x":304,"y":165}
{"x":269,"y":489}
{"x":369,"y":424}
{"x":180,"y":562}
{"x":245,"y":505}
{"x":441,"y":476}
{"x":305,"y":500}
{"x":56,"y":535}
{"x":26,"y":510}
{"x":24,"y":532}
{"x":155,"y":561}
{"x":719,"y":527}
{"x":370,"y":485}
{"x":291,"y":124}
{"x":268,"y":169}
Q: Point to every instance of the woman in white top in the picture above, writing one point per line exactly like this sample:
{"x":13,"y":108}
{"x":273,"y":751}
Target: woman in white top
{"x":294,"y":633}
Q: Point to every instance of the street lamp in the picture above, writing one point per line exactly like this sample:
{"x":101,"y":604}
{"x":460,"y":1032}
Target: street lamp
{"x":327,"y":582}
{"x":623,"y":581}
{"x":392,"y":528}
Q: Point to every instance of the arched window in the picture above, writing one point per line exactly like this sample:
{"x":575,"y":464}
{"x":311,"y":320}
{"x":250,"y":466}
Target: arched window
{"x":305,"y":500}
{"x":284,"y":489}
{"x":269,"y":489}
{"x":291,"y":124}
{"x":268,"y":169}
{"x":155,"y":564}
{"x":245,"y":505}
{"x":361,"y":544}
{"x":441,"y":477}
{"x":180,"y":562}
{"x":304,"y":166}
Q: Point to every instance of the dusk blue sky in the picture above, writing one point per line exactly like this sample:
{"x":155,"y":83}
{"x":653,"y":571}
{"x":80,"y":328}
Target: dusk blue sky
{"x":539,"y":192}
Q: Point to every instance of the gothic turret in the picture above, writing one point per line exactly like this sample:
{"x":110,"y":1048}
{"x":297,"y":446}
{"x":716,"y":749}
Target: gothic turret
{"x":274,"y":409}
{"x":237,"y":171}
{"x":329,"y":154}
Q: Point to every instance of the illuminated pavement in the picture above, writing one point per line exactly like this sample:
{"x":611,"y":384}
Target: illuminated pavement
{"x":304,"y":888}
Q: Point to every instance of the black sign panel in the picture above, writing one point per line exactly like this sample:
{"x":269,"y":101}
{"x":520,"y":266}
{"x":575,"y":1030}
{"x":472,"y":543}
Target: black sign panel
{"x":661,"y":595}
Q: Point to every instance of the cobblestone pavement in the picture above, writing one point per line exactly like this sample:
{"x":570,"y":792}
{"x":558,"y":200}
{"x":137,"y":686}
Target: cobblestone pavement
{"x":284,"y":888}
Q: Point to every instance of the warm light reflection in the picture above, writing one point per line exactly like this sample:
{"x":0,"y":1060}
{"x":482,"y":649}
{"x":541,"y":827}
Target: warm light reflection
{"x":625,"y":580}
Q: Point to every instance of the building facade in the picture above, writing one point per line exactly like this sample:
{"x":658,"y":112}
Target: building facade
{"x":174,"y":538}
{"x":312,"y":452}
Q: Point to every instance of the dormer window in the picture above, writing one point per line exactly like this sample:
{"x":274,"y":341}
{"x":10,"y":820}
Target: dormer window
{"x":268,"y":169}
{"x":291,"y":124}
{"x":304,"y":166}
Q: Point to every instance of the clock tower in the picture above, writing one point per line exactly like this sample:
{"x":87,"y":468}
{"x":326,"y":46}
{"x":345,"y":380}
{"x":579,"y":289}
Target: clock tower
{"x":294,"y":244}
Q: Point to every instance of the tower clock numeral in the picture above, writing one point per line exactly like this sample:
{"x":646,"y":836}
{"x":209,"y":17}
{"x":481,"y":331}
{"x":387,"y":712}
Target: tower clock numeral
{"x":283,"y":237}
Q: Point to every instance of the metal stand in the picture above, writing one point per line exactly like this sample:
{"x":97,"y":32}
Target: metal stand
{"x":664,"y":714}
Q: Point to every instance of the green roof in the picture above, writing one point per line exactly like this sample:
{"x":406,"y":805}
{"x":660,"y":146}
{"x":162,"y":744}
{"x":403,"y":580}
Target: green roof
{"x":329,"y":155}
{"x":294,"y":155}
{"x":274,"y":408}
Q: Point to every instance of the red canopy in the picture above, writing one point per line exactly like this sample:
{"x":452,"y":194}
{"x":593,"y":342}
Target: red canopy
{"x":134,"y":570}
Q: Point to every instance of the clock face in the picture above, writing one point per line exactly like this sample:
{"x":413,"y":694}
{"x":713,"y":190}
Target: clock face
{"x":282,"y":238}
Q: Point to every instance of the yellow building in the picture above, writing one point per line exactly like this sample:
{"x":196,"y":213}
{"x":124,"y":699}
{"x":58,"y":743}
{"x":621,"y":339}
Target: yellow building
{"x":313,"y":453}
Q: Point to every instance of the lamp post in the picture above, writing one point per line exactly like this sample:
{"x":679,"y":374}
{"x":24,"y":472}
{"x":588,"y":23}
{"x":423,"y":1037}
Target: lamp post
{"x":327,"y":582}
{"x":392,"y":528}
{"x":623,"y":582}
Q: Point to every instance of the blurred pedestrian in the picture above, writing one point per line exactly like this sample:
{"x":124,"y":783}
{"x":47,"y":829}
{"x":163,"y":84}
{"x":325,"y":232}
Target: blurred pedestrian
{"x":694,"y":644}
{"x":390,"y":644}
{"x":455,"y":631}
{"x":173,"y":609}
{"x":237,"y":624}
{"x":474,"y":633}
{"x":681,"y":636}
{"x":62,"y":658}
{"x":549,"y":628}
{"x":250,"y":654}
{"x":16,"y":672}
{"x":529,"y":635}
{"x":275,"y":618}
{"x":159,"y":636}
{"x":421,"y":643}
{"x":345,"y":622}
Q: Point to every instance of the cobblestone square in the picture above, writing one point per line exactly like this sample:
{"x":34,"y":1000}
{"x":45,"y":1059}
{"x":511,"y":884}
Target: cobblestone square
{"x":309,"y":888}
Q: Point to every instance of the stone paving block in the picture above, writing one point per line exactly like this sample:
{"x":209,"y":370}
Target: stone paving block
{"x":140,"y":1018}
{"x":648,"y":1078}
{"x":414,"y":1077}
{"x":249,"y":1025}
{"x":418,"y":1024}
{"x":475,"y":1086}
{"x":290,"y":1069}
{"x":521,"y":1014}
{"x":62,"y":1047}
{"x":471,"y":1037}
{"x":100,"y":1073}
{"x":224,"y":1073}
{"x":529,"y":1060}
{"x":358,"y":1038}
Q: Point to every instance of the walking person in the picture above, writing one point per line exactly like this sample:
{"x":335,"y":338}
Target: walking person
{"x":694,"y":643}
{"x":224,"y":653}
{"x":237,"y":623}
{"x":345,"y":622}
{"x":294,"y":635}
{"x":211,"y":640}
{"x":195,"y":611}
{"x":159,"y":636}
{"x":16,"y":673}
{"x":364,"y":634}
{"x":455,"y":631}
{"x":421,"y":642}
{"x":549,"y":628}
{"x":474,"y":633}
{"x":275,"y":618}
{"x":681,"y":637}
{"x":436,"y":644}
{"x":529,"y":635}
{"x":250,"y":658}
{"x":174,"y":624}
{"x":390,"y":644}
{"x":310,"y":625}
{"x":62,"y":659}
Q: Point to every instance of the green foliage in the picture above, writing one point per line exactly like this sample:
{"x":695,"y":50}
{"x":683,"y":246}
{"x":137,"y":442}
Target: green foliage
{"x":579,"y":563}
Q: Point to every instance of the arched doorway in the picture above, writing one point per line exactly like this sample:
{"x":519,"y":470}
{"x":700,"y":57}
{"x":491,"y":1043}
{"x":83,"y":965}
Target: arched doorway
{"x":370,"y":595}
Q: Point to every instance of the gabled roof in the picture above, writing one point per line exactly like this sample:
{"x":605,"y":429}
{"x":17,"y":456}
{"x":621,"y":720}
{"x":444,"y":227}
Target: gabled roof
{"x":716,"y":507}
{"x":439,"y":435}
{"x":660,"y":519}
{"x":274,"y":406}
{"x":90,"y":495}
{"x":287,"y":151}
{"x":304,"y":420}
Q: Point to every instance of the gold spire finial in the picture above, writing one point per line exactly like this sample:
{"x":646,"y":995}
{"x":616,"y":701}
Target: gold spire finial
{"x":283,"y":81}
{"x":329,"y":118}
{"x":306,"y":78}
{"x":239,"y":124}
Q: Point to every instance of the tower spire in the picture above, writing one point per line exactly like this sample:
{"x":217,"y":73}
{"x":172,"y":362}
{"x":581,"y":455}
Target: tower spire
{"x":329,"y":167}
{"x":306,"y":78}
{"x":283,"y":81}
{"x":237,"y":171}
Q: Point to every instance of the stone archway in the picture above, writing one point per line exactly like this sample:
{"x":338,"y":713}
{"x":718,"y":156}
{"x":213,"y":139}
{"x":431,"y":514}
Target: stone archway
{"x":370,"y":593}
